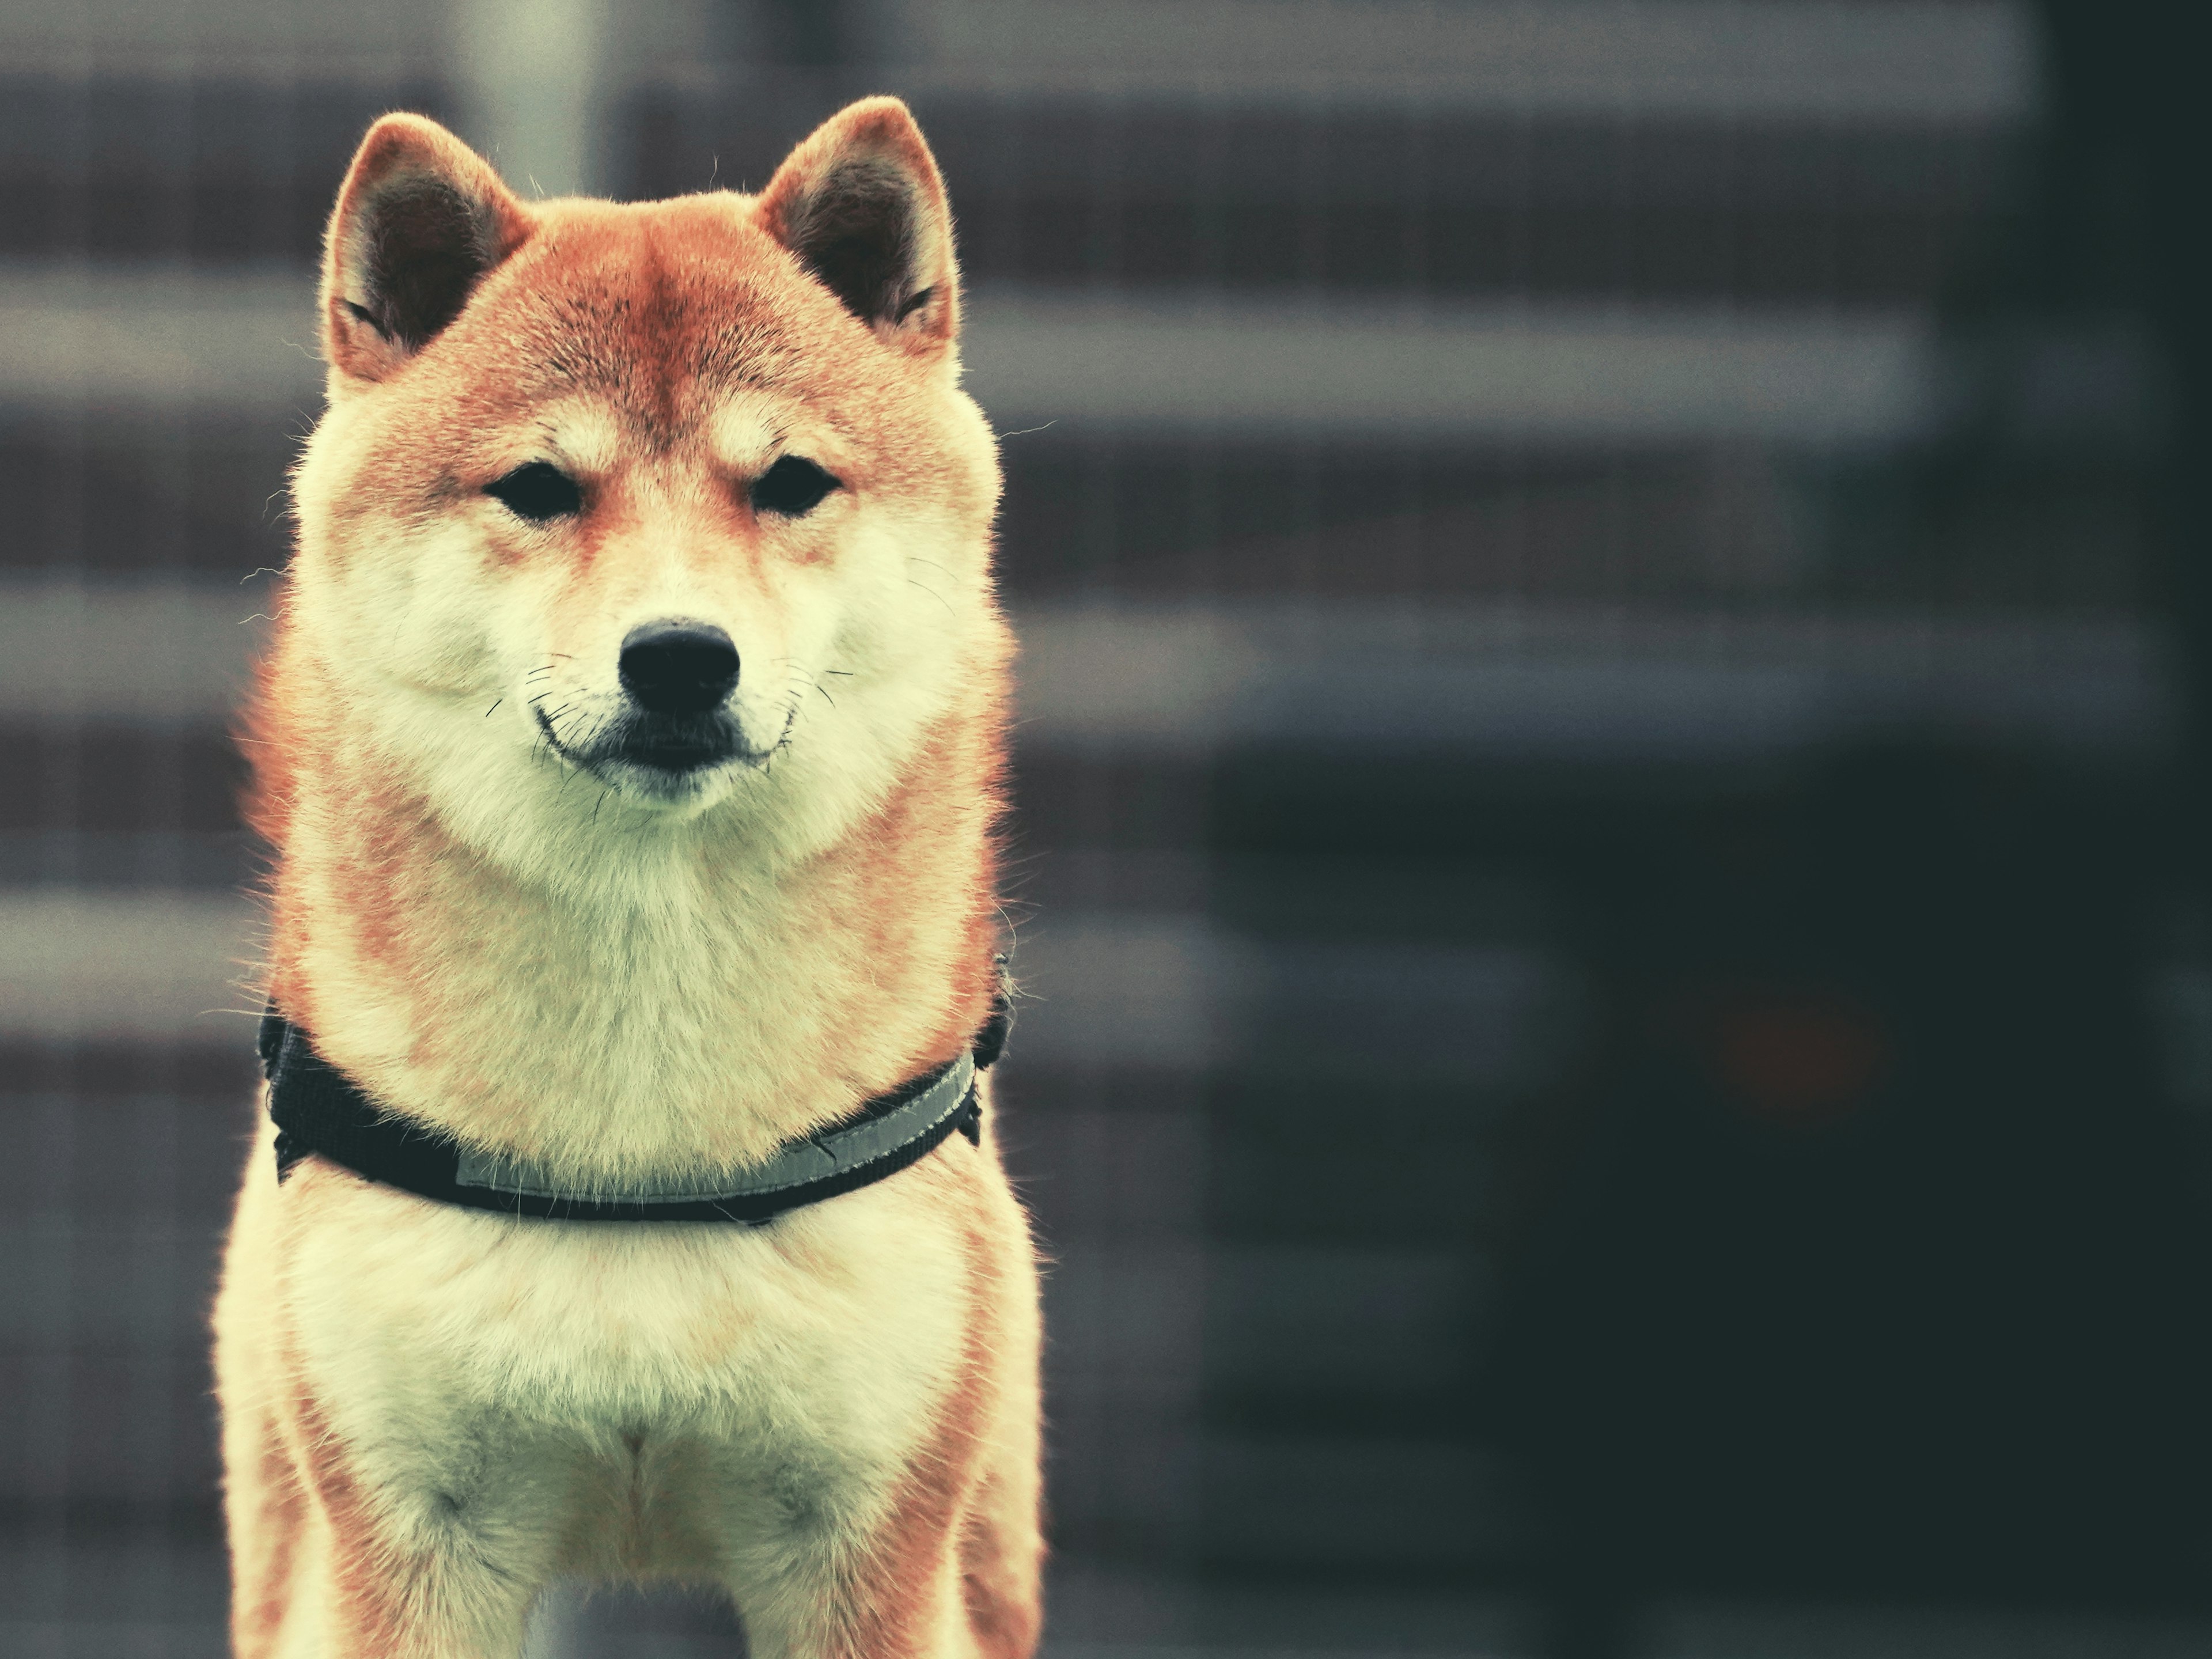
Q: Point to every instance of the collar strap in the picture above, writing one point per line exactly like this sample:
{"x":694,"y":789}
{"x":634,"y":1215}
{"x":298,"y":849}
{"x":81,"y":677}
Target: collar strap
{"x":321,"y":1112}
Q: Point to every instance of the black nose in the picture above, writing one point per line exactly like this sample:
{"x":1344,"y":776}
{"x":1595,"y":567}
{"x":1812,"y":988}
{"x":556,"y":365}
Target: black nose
{"x":679,"y":667}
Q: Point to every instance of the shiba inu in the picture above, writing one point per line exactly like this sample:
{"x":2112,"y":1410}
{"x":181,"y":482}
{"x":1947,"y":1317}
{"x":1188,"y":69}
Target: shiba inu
{"x":630,"y":746}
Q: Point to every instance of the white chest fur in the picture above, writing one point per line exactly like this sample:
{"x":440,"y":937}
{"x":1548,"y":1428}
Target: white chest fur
{"x":579,"y":1383}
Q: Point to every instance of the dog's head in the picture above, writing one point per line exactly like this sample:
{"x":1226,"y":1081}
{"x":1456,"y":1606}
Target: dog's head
{"x":674,"y":509}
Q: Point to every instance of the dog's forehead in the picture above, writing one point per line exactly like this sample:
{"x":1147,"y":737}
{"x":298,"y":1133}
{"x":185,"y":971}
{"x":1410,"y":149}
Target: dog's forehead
{"x":733,"y":428}
{"x":664,"y":313}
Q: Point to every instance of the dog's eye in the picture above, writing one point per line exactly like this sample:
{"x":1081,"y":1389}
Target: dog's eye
{"x":537,"y":492}
{"x":793,"y":487}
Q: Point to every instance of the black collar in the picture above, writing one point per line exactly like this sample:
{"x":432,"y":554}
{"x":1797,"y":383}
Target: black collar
{"x":320,"y":1112}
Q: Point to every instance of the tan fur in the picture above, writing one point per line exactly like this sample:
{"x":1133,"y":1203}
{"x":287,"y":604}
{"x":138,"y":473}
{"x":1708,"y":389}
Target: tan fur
{"x":431,"y":1413}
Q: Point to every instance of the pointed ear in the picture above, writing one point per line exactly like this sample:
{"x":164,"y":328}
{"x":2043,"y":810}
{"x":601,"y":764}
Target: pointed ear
{"x":863,"y":206}
{"x":421,"y":218}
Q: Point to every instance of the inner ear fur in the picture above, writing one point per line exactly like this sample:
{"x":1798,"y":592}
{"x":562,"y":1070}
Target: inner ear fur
{"x":420,"y":220}
{"x":862,"y":205}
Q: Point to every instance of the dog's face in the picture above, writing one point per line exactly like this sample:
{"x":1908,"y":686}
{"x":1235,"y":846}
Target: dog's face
{"x":667,"y":510}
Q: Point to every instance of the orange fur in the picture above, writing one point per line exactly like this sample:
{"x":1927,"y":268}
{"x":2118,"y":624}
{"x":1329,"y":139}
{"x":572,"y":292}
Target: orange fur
{"x":504,"y":931}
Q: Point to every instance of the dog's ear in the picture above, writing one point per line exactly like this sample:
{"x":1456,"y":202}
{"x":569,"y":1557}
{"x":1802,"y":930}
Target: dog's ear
{"x":862,"y":205}
{"x":421,"y":218}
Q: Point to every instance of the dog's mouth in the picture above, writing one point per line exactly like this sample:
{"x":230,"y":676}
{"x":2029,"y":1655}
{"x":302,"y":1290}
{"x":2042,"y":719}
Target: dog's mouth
{"x":663,"y":752}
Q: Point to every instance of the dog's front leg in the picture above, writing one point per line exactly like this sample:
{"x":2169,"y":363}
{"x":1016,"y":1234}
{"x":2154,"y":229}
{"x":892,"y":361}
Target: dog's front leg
{"x":871,"y":1604}
{"x":423,"y":1547}
{"x":853,"y":1563}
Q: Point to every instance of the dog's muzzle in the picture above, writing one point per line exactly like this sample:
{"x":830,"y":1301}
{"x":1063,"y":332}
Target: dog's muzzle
{"x":678,"y":676}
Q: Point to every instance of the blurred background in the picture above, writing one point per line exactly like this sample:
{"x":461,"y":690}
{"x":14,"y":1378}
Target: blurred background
{"x":1612,"y":805}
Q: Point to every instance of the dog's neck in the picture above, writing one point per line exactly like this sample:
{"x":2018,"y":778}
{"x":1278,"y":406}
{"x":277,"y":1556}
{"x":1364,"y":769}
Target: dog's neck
{"x":691,"y":1002}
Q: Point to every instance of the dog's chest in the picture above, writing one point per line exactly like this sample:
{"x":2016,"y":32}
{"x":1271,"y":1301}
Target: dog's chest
{"x":835,"y":1329}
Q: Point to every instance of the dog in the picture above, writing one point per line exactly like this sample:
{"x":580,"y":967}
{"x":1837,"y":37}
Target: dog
{"x":631,"y":744}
